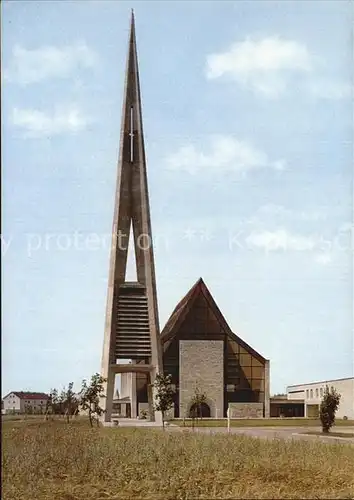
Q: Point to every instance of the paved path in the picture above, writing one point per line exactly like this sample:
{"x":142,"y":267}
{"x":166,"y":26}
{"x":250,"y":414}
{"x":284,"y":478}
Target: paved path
{"x":259,"y":432}
{"x":276,"y":432}
{"x":131,"y":422}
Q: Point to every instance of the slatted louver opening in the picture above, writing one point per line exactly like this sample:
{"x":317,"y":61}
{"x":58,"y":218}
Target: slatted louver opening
{"x":133,"y":332}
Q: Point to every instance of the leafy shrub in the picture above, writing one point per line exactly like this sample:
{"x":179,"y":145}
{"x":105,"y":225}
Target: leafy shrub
{"x":328,"y":408}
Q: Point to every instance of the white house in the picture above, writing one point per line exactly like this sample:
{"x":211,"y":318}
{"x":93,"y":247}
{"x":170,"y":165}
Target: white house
{"x":311,"y":394}
{"x":23,"y":402}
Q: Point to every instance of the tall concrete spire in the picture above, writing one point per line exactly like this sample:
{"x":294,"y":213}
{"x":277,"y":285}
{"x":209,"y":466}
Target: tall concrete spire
{"x":132,"y":326}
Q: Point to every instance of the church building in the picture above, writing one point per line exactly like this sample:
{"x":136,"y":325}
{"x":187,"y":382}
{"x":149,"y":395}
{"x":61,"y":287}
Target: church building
{"x":196,"y":347}
{"x":201,"y":351}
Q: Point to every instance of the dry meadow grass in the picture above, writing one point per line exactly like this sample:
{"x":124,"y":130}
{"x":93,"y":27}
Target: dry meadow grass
{"x":54,"y":460}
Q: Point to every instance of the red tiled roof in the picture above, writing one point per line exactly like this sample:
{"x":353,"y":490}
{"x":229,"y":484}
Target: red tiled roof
{"x":30,"y":395}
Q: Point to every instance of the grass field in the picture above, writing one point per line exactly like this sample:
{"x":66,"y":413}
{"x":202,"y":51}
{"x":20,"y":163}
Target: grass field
{"x":261,"y":422}
{"x":55,"y":460}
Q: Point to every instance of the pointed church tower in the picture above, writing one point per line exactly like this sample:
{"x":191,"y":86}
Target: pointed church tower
{"x":132,"y":326}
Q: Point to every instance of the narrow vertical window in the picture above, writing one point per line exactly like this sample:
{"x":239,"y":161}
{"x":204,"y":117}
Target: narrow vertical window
{"x":131,"y":135}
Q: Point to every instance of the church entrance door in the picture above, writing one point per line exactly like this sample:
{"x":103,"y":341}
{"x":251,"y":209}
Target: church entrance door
{"x":199,"y":411}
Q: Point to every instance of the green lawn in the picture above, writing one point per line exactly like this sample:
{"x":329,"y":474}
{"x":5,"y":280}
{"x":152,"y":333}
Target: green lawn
{"x":330,"y":434}
{"x":261,"y":422}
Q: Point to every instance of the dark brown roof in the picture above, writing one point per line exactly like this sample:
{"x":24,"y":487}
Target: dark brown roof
{"x":185,"y":305}
{"x":29,"y":395}
{"x":180,"y":308}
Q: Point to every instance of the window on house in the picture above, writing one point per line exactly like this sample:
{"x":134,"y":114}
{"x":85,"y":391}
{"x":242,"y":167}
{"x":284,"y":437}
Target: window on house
{"x":317,"y":393}
{"x":307,"y":393}
{"x":311,"y":393}
{"x":321,"y":392}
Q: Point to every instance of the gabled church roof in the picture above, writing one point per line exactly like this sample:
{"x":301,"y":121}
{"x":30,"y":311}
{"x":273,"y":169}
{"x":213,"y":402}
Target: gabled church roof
{"x":185,"y":305}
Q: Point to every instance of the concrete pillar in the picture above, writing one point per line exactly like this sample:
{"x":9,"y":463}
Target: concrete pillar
{"x":266,"y":389}
{"x":123,"y":385}
{"x":305,"y":409}
{"x":132,"y":394}
{"x":108,"y":405}
{"x":150,"y":399}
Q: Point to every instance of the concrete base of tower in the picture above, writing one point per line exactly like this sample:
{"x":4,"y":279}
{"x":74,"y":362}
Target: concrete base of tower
{"x":158,"y":418}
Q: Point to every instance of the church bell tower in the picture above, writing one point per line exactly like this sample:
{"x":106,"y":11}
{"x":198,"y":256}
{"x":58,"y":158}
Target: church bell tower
{"x":132,"y":325}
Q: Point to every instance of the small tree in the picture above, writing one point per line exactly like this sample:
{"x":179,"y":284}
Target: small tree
{"x":163,"y":394}
{"x":49,"y":405}
{"x":329,"y":406}
{"x":55,"y":401}
{"x":28,"y":409}
{"x":90,"y":396}
{"x":196,"y":403}
{"x":69,"y":401}
{"x":61,"y":401}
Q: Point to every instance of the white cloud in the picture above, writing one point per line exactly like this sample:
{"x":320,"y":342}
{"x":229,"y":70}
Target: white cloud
{"x":35,"y":123}
{"x":224,"y":153}
{"x":323,"y":258}
{"x":262,"y":65}
{"x":346,"y":227}
{"x":281,"y":212}
{"x":329,"y":89}
{"x":31,"y":66}
{"x":327,"y":247}
{"x":271,"y":65}
{"x":281,"y":239}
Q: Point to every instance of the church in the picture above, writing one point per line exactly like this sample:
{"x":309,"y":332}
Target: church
{"x":197,"y":346}
{"x":200,"y":349}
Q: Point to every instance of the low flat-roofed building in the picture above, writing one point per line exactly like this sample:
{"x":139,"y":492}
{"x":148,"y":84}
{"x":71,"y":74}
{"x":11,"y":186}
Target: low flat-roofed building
{"x":282,"y":406}
{"x":312,"y":393}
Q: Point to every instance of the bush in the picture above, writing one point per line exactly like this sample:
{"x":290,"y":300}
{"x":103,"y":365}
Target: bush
{"x":143,"y":414}
{"x":164,"y":393}
{"x":329,"y":406}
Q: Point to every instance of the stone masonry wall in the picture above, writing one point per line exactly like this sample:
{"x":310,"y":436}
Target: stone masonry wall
{"x":201,"y":362}
{"x":246,"y":410}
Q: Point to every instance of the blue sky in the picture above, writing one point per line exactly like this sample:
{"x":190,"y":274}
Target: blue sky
{"x":248,"y":129}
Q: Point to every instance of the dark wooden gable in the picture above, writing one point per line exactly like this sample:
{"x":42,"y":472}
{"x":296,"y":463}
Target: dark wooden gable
{"x":197,"y":315}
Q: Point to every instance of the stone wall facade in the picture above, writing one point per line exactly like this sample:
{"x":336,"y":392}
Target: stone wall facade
{"x":246,"y":410}
{"x":201,"y":362}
